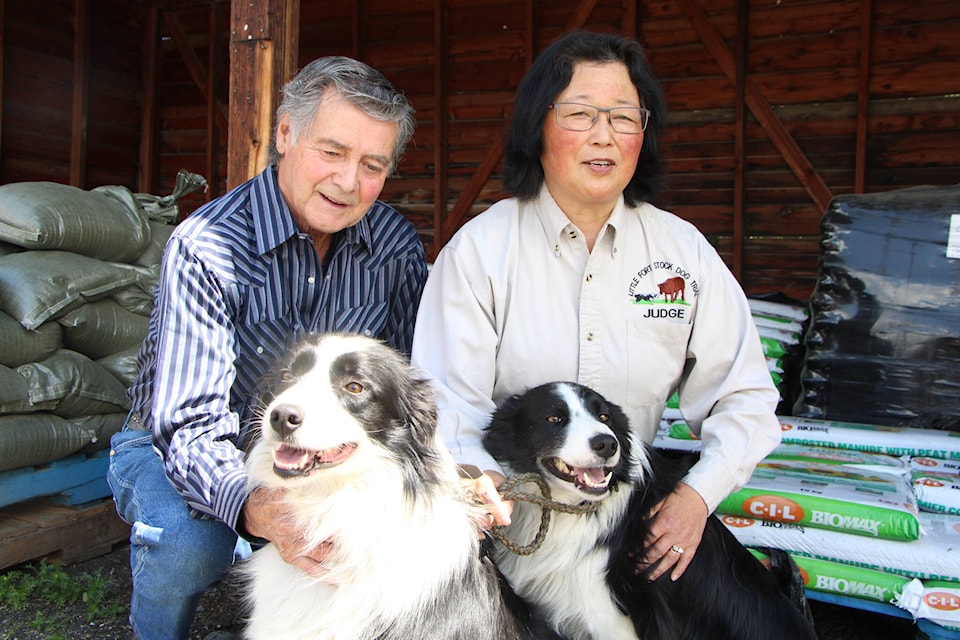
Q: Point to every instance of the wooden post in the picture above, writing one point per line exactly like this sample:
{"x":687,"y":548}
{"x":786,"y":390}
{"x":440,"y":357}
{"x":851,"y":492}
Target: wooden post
{"x":78,"y":124}
{"x":148,"y":120}
{"x":264,"y":37}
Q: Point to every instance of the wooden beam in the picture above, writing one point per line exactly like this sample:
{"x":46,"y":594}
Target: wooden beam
{"x":214,"y":59}
{"x":193,"y":63}
{"x":264,"y":37}
{"x":628,"y":25}
{"x":796,"y":159}
{"x":2,"y":21}
{"x":357,"y":26}
{"x":492,"y":158}
{"x":78,"y":120}
{"x":440,"y":184}
{"x":148,"y":119}
{"x":863,"y":94}
{"x":740,"y":136}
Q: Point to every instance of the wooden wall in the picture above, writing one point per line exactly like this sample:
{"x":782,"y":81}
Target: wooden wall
{"x":775,"y":105}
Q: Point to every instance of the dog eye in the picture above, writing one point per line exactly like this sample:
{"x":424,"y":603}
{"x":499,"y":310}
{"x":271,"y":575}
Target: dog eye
{"x":353,"y":387}
{"x":604,"y":417}
{"x":286,"y":376}
{"x":553,"y":419}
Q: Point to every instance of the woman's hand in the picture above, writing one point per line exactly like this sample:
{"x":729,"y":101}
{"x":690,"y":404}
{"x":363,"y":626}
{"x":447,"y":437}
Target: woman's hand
{"x":483,"y":485}
{"x":265,"y":516}
{"x":676,"y":528}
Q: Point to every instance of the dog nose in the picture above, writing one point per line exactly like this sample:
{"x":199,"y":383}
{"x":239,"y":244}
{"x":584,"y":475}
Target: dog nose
{"x":286,"y":418}
{"x":604,"y":445}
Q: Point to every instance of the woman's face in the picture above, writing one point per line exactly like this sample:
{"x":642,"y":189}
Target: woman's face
{"x":588,"y":170}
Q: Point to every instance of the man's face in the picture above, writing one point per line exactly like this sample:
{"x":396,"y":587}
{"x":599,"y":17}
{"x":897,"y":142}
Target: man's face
{"x":333,"y":173}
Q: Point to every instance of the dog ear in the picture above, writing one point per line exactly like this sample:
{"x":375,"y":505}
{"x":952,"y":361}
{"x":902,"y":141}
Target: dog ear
{"x":498,"y":436}
{"x":419,"y":408}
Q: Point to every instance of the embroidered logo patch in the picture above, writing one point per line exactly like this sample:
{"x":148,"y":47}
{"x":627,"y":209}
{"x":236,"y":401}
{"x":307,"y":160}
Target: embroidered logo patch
{"x":668,"y":289}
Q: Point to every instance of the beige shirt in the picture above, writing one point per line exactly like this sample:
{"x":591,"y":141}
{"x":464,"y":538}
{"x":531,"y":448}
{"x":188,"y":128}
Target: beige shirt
{"x":515,"y":300}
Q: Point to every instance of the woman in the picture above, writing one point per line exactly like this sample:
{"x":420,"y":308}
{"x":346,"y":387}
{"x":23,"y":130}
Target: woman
{"x":579,"y":277}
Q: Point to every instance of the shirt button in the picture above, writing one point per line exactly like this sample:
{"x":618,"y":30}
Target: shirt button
{"x":590,"y":337}
{"x":259,"y":349}
{"x":367,"y":332}
{"x":589,"y":277}
{"x":311,"y":279}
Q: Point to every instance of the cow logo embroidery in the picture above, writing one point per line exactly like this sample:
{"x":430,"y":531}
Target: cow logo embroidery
{"x":671,"y":287}
{"x":666,"y":288}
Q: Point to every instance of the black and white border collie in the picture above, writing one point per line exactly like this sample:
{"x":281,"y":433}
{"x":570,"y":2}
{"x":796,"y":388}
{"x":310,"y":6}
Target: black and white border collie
{"x":583,"y":580}
{"x":349,"y":431}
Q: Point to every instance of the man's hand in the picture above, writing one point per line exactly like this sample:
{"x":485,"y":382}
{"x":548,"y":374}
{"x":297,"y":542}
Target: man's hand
{"x":266,"y":516}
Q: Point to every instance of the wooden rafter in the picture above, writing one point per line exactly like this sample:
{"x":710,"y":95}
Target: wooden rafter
{"x":781,"y":138}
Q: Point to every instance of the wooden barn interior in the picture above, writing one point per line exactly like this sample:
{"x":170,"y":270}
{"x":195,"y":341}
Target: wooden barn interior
{"x":775,"y":106}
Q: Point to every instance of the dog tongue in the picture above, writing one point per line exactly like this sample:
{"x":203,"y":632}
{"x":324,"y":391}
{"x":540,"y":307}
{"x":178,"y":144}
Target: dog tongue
{"x":291,"y":458}
{"x":594,"y":476}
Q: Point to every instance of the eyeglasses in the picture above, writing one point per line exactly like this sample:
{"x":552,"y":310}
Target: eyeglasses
{"x":581,"y":117}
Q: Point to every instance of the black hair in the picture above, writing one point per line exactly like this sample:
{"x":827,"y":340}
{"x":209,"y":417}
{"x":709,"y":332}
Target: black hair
{"x":549,"y":75}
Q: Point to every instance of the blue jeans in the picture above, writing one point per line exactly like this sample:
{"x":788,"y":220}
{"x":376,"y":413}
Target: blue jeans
{"x":173,"y":556}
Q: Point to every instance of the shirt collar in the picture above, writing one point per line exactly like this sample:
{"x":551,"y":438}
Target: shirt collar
{"x":557,"y":225}
{"x":273,"y":223}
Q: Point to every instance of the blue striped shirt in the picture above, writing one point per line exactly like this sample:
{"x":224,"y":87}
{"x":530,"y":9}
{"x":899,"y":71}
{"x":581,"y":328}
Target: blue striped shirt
{"x":239,"y":284}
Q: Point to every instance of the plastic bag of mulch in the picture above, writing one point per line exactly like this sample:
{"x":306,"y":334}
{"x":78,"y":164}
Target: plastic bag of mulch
{"x":19,"y":346}
{"x":138,"y":298}
{"x":101,"y":427}
{"x":883,"y":344}
{"x":863,"y":498}
{"x":100,"y":328}
{"x":6,"y":249}
{"x":165,"y":209}
{"x":159,"y":234}
{"x":77,"y":384}
{"x":38,"y":438}
{"x":846,"y":580}
{"x":123,"y":365}
{"x":101,"y":224}
{"x":15,"y":394}
{"x":36,"y":286}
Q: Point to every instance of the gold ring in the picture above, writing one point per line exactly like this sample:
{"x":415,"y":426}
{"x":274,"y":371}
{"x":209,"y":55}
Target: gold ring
{"x":677,"y":550}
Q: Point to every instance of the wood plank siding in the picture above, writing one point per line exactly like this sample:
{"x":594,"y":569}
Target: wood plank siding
{"x":775,"y":105}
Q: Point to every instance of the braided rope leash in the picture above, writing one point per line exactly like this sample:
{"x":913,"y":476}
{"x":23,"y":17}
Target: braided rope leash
{"x":510,"y":490}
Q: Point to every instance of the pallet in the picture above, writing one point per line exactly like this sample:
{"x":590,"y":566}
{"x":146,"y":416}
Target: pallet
{"x":60,"y":511}
{"x":73,"y":480}
{"x":63,"y":534}
{"x":926,"y":629}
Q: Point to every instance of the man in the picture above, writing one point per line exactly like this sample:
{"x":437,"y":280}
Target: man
{"x":303,"y":247}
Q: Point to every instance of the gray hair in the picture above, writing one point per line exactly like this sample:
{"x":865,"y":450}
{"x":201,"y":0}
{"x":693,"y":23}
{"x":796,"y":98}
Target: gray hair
{"x":359,"y":84}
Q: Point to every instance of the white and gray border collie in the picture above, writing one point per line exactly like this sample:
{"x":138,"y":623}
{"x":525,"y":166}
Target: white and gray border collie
{"x":583,"y":580}
{"x":349,"y":431}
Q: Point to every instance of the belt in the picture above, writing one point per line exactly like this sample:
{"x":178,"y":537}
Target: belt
{"x":135,"y":424}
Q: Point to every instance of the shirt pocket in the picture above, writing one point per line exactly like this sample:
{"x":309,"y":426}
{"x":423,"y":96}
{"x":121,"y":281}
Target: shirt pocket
{"x":657,"y":353}
{"x":368,"y":319}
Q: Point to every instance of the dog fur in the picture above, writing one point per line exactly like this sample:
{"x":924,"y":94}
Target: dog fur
{"x":348,"y":431}
{"x":584,"y":579}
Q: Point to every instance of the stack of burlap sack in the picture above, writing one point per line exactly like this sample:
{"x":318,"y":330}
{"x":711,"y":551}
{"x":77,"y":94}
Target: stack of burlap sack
{"x":77,"y":274}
